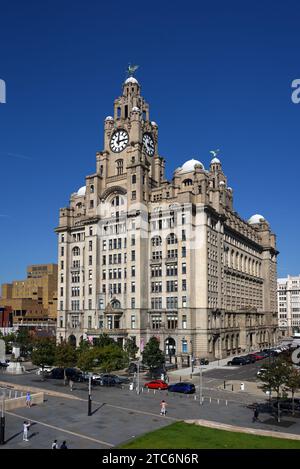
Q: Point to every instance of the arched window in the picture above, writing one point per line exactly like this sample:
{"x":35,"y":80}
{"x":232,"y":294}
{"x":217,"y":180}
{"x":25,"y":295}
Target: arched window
{"x":116,"y":304}
{"x":92,"y":189}
{"x":76,"y":251}
{"x":171,"y":239}
{"x":117,"y":201}
{"x":188,"y":182}
{"x":156,"y":241}
{"x":119,"y":164}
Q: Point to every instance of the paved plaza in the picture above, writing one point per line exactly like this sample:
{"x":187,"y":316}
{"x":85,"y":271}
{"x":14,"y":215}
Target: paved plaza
{"x":120,"y":414}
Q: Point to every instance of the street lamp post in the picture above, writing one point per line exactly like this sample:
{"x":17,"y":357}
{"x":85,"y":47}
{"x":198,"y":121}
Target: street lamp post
{"x":200,"y":384}
{"x":138,"y":378}
{"x":2,"y":421}
{"x":90,"y":397}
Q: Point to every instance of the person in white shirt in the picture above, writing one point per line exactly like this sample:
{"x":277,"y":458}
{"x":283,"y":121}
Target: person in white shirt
{"x":54,"y":444}
{"x":26,"y":425}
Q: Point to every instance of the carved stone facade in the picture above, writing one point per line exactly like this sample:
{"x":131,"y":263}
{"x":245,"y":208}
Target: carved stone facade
{"x":140,"y":255}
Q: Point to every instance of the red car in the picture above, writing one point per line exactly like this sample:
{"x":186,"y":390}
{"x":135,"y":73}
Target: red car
{"x":257,"y":356}
{"x":156,"y":384}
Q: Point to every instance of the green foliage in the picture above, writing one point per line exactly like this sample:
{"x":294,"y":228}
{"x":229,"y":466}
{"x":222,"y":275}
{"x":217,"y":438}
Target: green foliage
{"x":131,"y":348}
{"x":152,"y":355}
{"x":86,"y":359}
{"x":274,"y":377}
{"x":110,"y":357}
{"x":103,"y":340}
{"x":43,"y":352}
{"x":25,"y":340}
{"x":65,"y":355}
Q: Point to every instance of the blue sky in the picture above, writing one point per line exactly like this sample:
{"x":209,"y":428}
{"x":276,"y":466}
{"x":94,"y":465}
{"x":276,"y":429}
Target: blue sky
{"x":216,"y":74}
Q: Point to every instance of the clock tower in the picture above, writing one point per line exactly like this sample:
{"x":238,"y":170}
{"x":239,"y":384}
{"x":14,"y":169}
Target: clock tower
{"x":130,"y":155}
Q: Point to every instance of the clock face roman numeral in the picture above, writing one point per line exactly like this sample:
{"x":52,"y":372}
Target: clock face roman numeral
{"x":148,"y":144}
{"x":119,"y":141}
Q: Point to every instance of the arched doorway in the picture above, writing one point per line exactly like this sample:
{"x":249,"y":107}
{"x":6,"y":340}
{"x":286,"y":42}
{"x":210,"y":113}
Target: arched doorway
{"x":170,"y":347}
{"x":72,"y":340}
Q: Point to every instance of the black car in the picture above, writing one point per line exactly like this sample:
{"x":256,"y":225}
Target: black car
{"x":133,"y":368}
{"x":237,"y":361}
{"x":286,"y":405}
{"x":71,"y":373}
{"x":250,"y":358}
{"x":4,"y":364}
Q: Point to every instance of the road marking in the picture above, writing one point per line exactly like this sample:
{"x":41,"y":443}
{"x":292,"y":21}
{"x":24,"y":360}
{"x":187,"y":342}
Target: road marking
{"x":138,"y":411}
{"x":62,"y":430}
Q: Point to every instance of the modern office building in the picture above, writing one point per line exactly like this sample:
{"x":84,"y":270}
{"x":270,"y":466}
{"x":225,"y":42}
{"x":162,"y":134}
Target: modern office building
{"x":142,"y":256}
{"x":288,"y":297}
{"x":34,"y":299}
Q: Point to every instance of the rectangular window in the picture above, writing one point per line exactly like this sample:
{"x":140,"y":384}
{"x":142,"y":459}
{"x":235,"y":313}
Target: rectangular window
{"x":133,"y":303}
{"x":91,"y":204}
{"x":133,"y":195}
{"x":183,"y":251}
{"x":133,"y":271}
{"x":62,"y":251}
{"x":89,"y":322}
{"x":90,"y":245}
{"x":90,"y":289}
{"x":61,"y":291}
{"x":90,"y":304}
{"x":90,"y":260}
{"x":184,"y":321}
{"x":184,"y":268}
{"x":184,"y":284}
{"x":133,"y":255}
{"x":133,"y":321}
{"x":132,"y":287}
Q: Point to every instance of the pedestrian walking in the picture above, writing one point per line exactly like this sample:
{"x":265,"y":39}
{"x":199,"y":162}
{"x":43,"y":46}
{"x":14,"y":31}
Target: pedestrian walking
{"x":255,"y":415}
{"x":26,"y":426}
{"x":163,"y":409}
{"x":71,"y":385}
{"x":28,"y":399}
{"x":63,"y":445}
{"x":54,"y":445}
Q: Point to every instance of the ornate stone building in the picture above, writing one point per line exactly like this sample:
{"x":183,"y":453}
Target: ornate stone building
{"x":140,"y":255}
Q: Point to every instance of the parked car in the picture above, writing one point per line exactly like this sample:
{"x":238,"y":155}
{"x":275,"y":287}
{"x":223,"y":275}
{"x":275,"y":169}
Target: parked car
{"x":250,"y":358}
{"x":4,"y":364}
{"x":71,"y":373}
{"x":286,"y":405}
{"x":257,"y":356}
{"x":186,"y":388}
{"x":237,"y":361}
{"x":108,"y":381}
{"x":261,"y":371}
{"x":47,"y":369}
{"x":156,"y":384}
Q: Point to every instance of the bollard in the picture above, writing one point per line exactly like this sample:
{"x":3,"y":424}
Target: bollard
{"x":195,"y":398}
{"x":232,"y":388}
{"x":9,"y":394}
{"x":202,"y":400}
{"x":148,"y":390}
{"x":224,"y":384}
{"x":226,"y":402}
{"x":16,"y":394}
{"x":154,"y":391}
{"x":210,"y":400}
{"x":218,"y":401}
{"x":142,"y":389}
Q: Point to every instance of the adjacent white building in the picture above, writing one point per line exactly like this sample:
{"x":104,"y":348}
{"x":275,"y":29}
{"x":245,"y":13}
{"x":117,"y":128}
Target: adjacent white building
{"x":288,"y":295}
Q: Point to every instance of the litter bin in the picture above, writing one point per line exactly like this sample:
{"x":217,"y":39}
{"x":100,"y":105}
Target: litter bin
{"x":131,"y":387}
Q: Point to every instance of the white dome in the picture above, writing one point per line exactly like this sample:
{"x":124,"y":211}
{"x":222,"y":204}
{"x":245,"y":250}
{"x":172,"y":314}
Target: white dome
{"x":81,"y":191}
{"x":154,"y":124}
{"x":215,"y":160}
{"x":229,"y":188}
{"x":189,"y":165}
{"x":256,"y":219}
{"x":221,"y":183}
{"x":131,"y":80}
{"x":136,"y":109}
{"x":109,"y":118}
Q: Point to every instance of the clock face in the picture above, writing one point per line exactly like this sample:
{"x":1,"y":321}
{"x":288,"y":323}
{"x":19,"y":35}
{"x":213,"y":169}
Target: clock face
{"x":119,"y":140}
{"x":148,"y":143}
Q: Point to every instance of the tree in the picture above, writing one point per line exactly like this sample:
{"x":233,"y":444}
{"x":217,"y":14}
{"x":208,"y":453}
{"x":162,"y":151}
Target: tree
{"x":25,"y":340}
{"x":65,"y":357}
{"x":110,"y":357}
{"x":292,"y":385}
{"x":152,"y":355}
{"x":86,"y":359}
{"x":274,"y":378}
{"x":131,"y":348}
{"x":43,"y":353}
{"x":103,"y":340}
